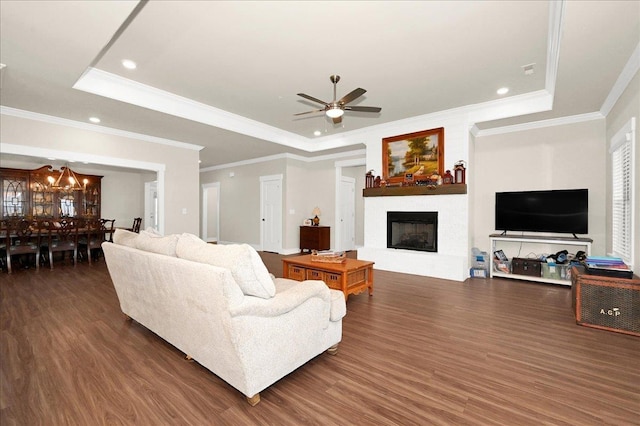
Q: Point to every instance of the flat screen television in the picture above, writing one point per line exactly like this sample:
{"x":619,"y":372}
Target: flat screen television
{"x":564,"y":211}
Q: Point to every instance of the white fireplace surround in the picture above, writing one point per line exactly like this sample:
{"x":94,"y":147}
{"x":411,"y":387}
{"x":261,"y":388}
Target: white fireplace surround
{"x":454,"y":250}
{"x":450,"y":262}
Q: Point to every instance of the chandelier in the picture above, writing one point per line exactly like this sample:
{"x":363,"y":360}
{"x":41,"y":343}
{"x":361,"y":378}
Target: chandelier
{"x":67,"y":180}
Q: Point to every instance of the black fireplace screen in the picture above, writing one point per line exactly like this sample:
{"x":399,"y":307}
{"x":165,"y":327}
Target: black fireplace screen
{"x":412,"y":231}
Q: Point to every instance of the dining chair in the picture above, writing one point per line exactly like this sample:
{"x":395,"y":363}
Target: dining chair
{"x":136,"y":224}
{"x":20,"y":240}
{"x":63,"y":237}
{"x":109,"y":227}
{"x":4,"y":232}
{"x":91,"y":238}
{"x":43,"y":230}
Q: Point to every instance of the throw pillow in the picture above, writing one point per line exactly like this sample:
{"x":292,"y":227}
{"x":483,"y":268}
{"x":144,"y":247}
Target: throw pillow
{"x":154,"y":243}
{"x":125,"y":238}
{"x":242,"y":260}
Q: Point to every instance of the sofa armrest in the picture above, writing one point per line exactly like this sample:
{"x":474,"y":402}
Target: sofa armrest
{"x":283,"y":301}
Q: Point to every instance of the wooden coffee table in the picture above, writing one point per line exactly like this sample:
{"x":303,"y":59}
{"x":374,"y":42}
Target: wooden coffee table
{"x":351,"y":277}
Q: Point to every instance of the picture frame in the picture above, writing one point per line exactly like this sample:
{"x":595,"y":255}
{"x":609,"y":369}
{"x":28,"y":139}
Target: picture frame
{"x":307,"y":222}
{"x":418,"y":154}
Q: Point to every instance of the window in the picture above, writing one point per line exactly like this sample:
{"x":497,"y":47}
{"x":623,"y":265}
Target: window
{"x":622,"y":189}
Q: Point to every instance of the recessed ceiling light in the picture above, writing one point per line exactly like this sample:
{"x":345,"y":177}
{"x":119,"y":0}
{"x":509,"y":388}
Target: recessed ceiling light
{"x":502,"y":91}
{"x":317,"y":133}
{"x":129,"y":64}
{"x":94,"y":119}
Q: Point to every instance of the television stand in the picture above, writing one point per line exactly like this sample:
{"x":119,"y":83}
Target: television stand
{"x":500,"y":241}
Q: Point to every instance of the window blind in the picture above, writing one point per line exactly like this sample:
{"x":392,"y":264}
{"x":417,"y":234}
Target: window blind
{"x":622,"y":172}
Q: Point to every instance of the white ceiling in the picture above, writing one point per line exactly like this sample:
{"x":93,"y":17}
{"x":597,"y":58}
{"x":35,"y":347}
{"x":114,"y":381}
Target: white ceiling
{"x":239,"y":65}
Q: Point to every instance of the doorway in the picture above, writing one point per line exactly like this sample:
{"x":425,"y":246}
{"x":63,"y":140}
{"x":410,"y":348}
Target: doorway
{"x":151,"y":204}
{"x":347,"y":217}
{"x":349,"y":229}
{"x":271,"y":213}
{"x":211,"y":212}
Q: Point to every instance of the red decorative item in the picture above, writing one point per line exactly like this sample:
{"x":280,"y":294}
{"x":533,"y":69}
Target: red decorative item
{"x":369,"y":179}
{"x":447,"y":178}
{"x":459,"y":172}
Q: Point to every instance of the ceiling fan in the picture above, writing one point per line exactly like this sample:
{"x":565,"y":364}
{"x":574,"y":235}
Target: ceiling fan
{"x":336,"y":109}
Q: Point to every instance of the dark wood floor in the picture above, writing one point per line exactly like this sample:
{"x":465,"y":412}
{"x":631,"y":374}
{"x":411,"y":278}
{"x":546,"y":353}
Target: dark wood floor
{"x":420,"y":351}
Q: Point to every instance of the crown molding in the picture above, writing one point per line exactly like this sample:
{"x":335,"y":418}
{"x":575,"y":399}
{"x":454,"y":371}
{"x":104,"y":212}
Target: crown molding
{"x":625,"y":77}
{"x":112,"y":86}
{"x":556,"y":21}
{"x":34,"y":151}
{"x":359,"y":152}
{"x":29,"y":115}
{"x":573,"y":119}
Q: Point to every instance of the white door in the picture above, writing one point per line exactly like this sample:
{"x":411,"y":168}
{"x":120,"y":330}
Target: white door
{"x":271,"y":213}
{"x":211,"y":212}
{"x":347,"y":218}
{"x":151,"y":205}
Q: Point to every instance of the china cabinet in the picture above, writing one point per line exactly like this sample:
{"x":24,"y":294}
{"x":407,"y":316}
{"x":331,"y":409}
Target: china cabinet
{"x":42,"y":194}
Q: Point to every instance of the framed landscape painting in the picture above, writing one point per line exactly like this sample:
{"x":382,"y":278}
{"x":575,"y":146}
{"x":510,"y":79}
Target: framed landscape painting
{"x":415,"y":154}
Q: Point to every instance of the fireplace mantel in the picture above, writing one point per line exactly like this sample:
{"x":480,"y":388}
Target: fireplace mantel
{"x":458,"y":188}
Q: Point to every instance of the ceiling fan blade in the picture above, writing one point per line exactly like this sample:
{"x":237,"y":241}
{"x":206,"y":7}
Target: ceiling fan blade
{"x":309,"y":112}
{"x":362,"y":109}
{"x":311,"y":98}
{"x":337,"y":120}
{"x":352,"y":96}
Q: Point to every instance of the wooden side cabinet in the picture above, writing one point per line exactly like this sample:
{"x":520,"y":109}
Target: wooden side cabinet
{"x":315,"y":238}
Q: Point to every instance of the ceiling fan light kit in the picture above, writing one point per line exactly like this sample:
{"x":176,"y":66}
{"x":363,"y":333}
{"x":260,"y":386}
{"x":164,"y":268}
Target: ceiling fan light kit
{"x":335,"y":112}
{"x":336,"y":109}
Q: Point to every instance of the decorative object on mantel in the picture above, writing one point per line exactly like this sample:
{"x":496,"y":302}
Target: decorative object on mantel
{"x":316,"y":219}
{"x":419,"y":154}
{"x":459,"y":172}
{"x":448,"y":178}
{"x":376,"y":182}
{"x":414,"y":190}
{"x":369,"y":179}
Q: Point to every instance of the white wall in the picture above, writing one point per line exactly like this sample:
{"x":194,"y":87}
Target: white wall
{"x":569,"y":156}
{"x":628,"y":106}
{"x":239,"y":198}
{"x":123,"y":196}
{"x":307,"y":183}
{"x":180,"y":164}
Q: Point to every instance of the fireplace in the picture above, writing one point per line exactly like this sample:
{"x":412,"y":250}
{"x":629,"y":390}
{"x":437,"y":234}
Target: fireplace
{"x":413,"y":231}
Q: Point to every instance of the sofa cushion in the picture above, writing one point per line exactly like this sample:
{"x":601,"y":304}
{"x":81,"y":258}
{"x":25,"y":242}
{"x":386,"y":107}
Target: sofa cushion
{"x":155,"y":243}
{"x":242,"y":260}
{"x":125,"y":238}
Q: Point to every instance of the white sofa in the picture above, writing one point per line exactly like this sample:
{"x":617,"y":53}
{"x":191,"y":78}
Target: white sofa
{"x":219,"y":305}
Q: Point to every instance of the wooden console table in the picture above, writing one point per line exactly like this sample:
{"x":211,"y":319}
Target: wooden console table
{"x":314,"y":238}
{"x":351,"y":277}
